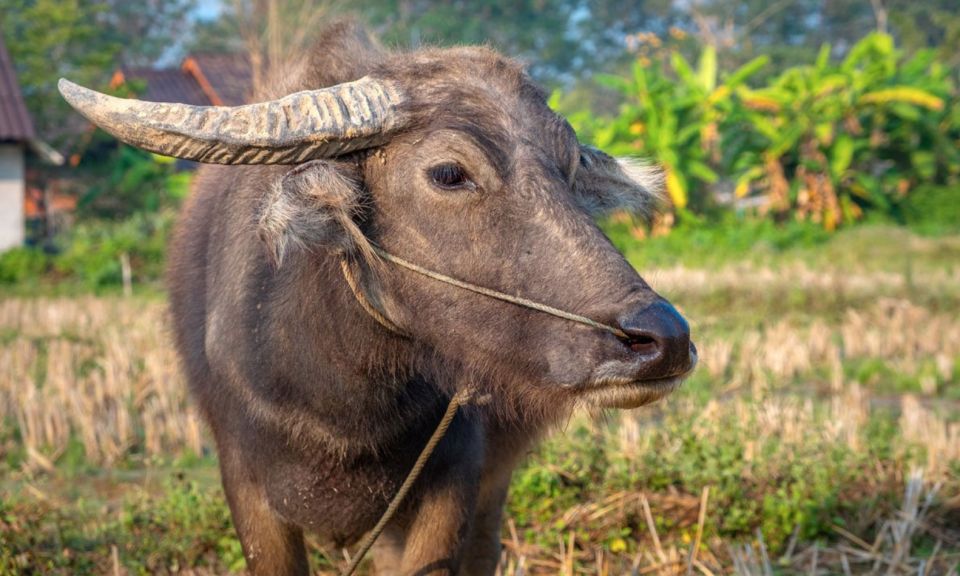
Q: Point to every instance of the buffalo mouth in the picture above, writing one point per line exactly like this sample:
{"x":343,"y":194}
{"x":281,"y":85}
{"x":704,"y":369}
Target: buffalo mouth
{"x":623,"y":384}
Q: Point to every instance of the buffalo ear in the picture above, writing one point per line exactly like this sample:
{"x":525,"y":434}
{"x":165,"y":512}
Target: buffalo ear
{"x":313,"y":207}
{"x":604,"y":184}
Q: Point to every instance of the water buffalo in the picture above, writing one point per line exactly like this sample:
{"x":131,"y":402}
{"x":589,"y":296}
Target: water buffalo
{"x":321,"y":395}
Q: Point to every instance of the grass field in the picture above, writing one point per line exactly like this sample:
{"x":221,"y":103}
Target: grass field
{"x":820,"y":435}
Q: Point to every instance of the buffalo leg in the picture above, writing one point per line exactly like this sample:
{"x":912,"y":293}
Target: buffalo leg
{"x":482,"y":551}
{"x":270,"y":545}
{"x":435,"y":538}
{"x":434,"y":529}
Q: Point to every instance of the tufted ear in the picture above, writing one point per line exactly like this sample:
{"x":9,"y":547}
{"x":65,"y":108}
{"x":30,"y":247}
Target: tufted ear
{"x":314,"y":206}
{"x":604,"y":184}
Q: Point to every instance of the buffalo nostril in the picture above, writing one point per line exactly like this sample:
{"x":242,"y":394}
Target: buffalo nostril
{"x":641,"y":344}
{"x":660,"y":335}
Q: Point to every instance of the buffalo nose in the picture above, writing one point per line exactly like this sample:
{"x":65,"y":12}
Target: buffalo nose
{"x":661,"y":336}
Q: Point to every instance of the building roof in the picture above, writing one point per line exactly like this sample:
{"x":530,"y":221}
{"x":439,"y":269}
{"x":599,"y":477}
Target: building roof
{"x":15,"y":123}
{"x":229,"y":78}
{"x":201,"y":80}
{"x":164,"y":85}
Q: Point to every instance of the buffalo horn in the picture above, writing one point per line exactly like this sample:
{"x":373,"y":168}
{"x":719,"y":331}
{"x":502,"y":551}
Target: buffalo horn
{"x":310,"y":124}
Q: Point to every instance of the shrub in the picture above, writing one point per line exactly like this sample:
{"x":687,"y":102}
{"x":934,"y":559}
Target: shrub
{"x":832,"y":141}
{"x":93,"y":250}
{"x":20,"y":264}
{"x":130,"y":181}
{"x":933,"y":208}
{"x":91,"y":253}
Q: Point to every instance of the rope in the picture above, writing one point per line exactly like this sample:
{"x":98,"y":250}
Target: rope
{"x":362,"y":299}
{"x":498,"y":295}
{"x":459,"y":399}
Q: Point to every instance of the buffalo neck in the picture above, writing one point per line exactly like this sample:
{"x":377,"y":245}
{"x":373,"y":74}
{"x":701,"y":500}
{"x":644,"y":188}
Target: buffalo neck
{"x":346,"y":370}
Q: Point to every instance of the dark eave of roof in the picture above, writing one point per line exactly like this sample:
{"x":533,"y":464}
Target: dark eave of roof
{"x":226,"y":78}
{"x":15,"y":123}
{"x":201,"y":80}
{"x":167,"y":85}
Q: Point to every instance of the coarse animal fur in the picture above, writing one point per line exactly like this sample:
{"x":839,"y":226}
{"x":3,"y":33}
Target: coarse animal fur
{"x":317,"y":410}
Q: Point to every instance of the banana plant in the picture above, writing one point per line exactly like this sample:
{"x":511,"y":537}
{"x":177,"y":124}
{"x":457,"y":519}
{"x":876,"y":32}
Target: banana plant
{"x":833,"y":140}
{"x":673,"y":117}
{"x":824,"y":142}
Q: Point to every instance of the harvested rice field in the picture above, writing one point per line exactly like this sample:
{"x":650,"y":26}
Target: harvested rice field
{"x":820,"y":435}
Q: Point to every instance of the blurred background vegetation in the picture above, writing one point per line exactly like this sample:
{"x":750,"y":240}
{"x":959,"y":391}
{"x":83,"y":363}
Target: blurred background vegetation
{"x":797,"y":112}
{"x":811,"y":235}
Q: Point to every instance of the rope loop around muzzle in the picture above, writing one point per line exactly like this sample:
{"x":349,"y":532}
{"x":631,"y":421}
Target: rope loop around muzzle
{"x":489,"y":292}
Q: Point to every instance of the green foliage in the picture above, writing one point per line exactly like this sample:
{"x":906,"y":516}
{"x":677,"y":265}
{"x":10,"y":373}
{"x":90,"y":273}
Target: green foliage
{"x":730,"y":240}
{"x":789,"y":32}
{"x":775,"y":491}
{"x":146,"y":523}
{"x":185,"y":526}
{"x":757,"y":484}
{"x":521,"y":28}
{"x":91,"y":255}
{"x":84,"y":40}
{"x":21,"y":264}
{"x":129,"y":211}
{"x":48,"y":39}
{"x":93,"y":250}
{"x":145,"y":30}
{"x":828,"y":142}
{"x":928,"y":24}
{"x":675,"y":121}
{"x":559,"y":477}
{"x":566,"y":41}
{"x":932,"y":208}
{"x":131,"y":181}
{"x":559,"y":39}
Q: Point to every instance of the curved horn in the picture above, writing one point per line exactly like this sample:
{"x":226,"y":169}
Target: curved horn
{"x":295,"y":128}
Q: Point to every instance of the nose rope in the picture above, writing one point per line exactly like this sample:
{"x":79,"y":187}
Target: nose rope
{"x":519,"y":301}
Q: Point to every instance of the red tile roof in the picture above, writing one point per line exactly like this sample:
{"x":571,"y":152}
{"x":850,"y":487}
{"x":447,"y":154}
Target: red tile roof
{"x":15,"y":123}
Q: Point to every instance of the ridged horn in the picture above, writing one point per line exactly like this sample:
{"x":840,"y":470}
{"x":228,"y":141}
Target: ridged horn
{"x":290,"y":130}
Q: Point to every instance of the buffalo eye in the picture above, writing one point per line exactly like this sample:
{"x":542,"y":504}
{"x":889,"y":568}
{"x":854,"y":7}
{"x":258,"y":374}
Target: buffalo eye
{"x":450,"y":177}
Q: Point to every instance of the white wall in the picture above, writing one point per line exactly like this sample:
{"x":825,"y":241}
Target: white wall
{"x":11,"y":196}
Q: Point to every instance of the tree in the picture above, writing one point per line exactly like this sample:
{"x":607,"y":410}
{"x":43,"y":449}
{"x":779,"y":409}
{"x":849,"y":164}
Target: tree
{"x":927,"y":24}
{"x":270,"y":32}
{"x":146,"y":30}
{"x":559,"y":39}
{"x":49,"y":39}
{"x":789,"y":31}
{"x":85,"y":41}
